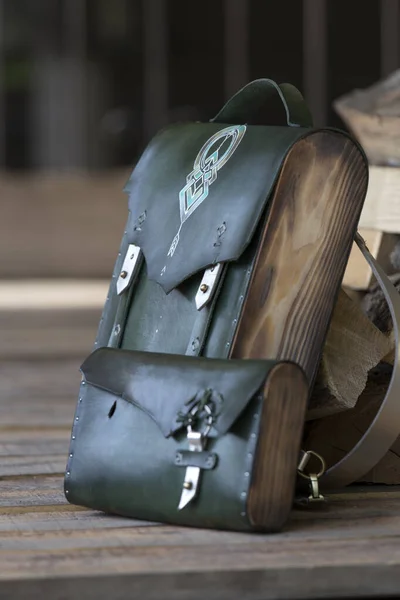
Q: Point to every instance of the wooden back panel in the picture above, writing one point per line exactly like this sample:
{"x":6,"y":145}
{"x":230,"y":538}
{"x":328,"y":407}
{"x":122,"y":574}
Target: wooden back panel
{"x":303,"y":251}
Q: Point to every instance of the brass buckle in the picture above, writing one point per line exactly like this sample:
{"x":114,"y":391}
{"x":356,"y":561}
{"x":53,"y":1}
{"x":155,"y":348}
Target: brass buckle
{"x":315,"y":495}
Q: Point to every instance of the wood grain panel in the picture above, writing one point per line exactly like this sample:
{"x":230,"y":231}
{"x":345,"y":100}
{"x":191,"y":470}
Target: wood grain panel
{"x":303,"y":252}
{"x":273,"y":479}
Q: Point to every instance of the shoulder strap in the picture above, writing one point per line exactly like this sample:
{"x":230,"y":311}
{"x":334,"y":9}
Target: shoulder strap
{"x":253,"y":95}
{"x":385,"y":428}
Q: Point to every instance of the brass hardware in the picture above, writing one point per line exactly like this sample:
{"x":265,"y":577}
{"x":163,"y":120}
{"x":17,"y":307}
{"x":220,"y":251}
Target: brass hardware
{"x":123,"y":274}
{"x":315,"y":495}
{"x":204,"y":288}
{"x":187,"y":485}
{"x":303,"y":463}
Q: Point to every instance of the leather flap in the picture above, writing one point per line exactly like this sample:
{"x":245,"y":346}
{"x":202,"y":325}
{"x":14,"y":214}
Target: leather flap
{"x":168,"y":386}
{"x":198,"y":191}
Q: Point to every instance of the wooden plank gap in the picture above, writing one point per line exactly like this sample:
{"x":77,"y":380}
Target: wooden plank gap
{"x":390,"y":36}
{"x":236,"y":45}
{"x":155,"y":56}
{"x":315,"y":59}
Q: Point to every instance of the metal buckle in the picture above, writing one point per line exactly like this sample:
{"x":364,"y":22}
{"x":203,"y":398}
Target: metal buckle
{"x":208,"y":285}
{"x":129,"y":268}
{"x":197,"y":441}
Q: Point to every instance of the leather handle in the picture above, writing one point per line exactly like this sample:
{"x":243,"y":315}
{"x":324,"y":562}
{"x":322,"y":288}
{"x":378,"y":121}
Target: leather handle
{"x":385,"y":428}
{"x":251,"y":97}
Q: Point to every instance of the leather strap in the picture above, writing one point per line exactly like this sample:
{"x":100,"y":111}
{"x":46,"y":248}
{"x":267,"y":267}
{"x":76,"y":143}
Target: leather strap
{"x":385,"y":428}
{"x":252,"y":96}
{"x":122,"y":312}
{"x":203,"y":320}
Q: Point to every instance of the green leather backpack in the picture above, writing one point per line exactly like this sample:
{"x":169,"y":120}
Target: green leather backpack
{"x":191,"y":407}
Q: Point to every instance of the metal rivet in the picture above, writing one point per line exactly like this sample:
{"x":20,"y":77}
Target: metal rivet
{"x":204,"y":288}
{"x":156,"y":330}
{"x":242,"y":514}
{"x":243,"y":494}
{"x":247,"y":474}
{"x":68,"y":473}
{"x":227,"y":344}
{"x":234,"y":321}
{"x":83,"y":382}
{"x":117,"y":329}
{"x":73,"y":437}
{"x":70,"y":455}
{"x":187,"y":485}
{"x":249,"y":455}
{"x":241,"y":298}
{"x":123,"y":274}
{"x":77,"y":419}
{"x":255,"y":416}
{"x":67,"y":492}
{"x":253,"y":435}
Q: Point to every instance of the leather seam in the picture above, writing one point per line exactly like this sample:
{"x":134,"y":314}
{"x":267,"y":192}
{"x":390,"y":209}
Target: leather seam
{"x":236,"y":319}
{"x":250,"y":451}
{"x":251,"y":445}
{"x":73,"y":439}
{"x":112,"y":287}
{"x":117,"y":266}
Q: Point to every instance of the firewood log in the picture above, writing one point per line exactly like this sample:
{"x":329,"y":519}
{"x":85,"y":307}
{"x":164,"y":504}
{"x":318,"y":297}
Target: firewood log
{"x":354,"y":346}
{"x":334,"y":435}
{"x":373,"y":115}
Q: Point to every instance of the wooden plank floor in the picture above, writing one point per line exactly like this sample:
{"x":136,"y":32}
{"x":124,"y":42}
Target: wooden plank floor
{"x":49,"y":549}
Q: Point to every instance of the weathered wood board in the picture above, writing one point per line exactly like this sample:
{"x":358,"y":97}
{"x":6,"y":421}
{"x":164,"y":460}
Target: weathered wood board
{"x":382,"y":209}
{"x":346,"y":548}
{"x":358,"y":274}
{"x":61,"y":224}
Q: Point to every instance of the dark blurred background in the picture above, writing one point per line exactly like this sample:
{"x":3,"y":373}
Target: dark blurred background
{"x":86,"y":83}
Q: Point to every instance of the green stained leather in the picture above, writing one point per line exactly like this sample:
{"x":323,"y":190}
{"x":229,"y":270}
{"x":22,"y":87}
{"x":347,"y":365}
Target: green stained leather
{"x":236,"y":200}
{"x":158,"y":322}
{"x":162,"y":385}
{"x":247,"y":102}
{"x":125,"y":464}
{"x":164,"y":323}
